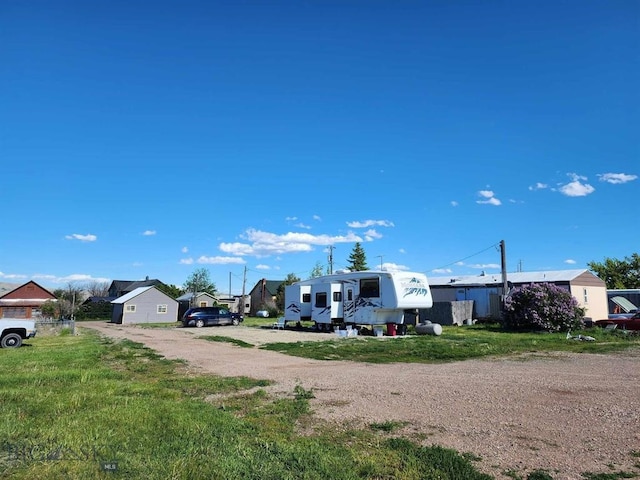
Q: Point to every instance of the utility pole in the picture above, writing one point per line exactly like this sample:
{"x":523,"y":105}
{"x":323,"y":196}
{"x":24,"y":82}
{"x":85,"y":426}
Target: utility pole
{"x":503,"y":263}
{"x":242,"y":300}
{"x":380,"y":257}
{"x":331,"y":259}
{"x":230,"y":286}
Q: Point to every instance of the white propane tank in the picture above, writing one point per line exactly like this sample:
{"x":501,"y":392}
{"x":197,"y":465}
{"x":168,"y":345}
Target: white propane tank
{"x":429,"y":329}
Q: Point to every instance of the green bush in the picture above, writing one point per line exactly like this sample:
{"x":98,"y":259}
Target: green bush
{"x":542,"y":306}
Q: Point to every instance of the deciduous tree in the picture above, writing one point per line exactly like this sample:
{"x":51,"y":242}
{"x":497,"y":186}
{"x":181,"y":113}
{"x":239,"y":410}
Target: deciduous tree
{"x":200,"y":281}
{"x":618,"y":273}
{"x":291,"y":279}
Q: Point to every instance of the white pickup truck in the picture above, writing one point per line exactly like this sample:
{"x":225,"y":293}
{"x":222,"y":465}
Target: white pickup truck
{"x":13,"y":331}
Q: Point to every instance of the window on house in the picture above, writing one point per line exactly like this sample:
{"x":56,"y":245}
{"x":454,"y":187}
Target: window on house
{"x":130,"y":308}
{"x":162,"y":309}
{"x":306,"y":298}
{"x":369,"y":287}
{"x":350,"y":295}
{"x":203,"y":304}
{"x":321,"y":299}
{"x":337,"y":296}
{"x":586,"y":296}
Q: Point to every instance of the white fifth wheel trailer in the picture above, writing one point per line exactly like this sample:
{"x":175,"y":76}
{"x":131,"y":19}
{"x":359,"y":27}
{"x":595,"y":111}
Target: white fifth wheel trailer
{"x":357,"y":298}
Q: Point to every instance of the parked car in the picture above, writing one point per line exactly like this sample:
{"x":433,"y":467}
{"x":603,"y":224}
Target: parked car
{"x":207,"y":316}
{"x":630,"y":323}
{"x":13,"y":331}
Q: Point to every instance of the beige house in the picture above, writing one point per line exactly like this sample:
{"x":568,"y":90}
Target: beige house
{"x":486,"y":290}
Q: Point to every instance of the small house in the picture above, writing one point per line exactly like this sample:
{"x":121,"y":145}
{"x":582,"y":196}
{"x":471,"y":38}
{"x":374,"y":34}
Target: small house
{"x":25,"y":301}
{"x":263,"y":295}
{"x":486,"y":290}
{"x":144,"y":305}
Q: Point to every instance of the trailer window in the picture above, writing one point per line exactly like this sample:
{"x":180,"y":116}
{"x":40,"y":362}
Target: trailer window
{"x":369,"y":287}
{"x":306,"y":298}
{"x":337,"y":296}
{"x":321,"y":299}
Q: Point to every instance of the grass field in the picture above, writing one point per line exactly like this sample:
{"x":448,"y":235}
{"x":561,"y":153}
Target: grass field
{"x":456,"y":343}
{"x":82,"y":407}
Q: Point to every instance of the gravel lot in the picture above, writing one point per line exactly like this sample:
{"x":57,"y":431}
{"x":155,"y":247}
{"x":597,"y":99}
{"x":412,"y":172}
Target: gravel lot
{"x":564,"y":413}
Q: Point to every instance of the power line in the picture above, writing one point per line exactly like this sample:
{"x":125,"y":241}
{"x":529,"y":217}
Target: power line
{"x":466,"y":258}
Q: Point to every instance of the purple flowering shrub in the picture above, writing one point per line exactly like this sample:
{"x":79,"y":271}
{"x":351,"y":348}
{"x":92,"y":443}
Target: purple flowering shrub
{"x":542,"y":306}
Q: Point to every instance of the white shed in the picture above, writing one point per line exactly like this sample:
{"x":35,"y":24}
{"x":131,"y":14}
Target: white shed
{"x":145,"y":305}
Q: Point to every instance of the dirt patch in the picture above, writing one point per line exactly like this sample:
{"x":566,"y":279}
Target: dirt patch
{"x":564,"y":413}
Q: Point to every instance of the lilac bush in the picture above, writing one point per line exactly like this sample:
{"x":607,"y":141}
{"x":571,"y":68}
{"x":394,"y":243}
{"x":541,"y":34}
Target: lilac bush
{"x":542,"y":306}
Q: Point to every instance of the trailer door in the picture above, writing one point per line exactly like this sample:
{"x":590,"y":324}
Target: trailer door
{"x":348,"y":304}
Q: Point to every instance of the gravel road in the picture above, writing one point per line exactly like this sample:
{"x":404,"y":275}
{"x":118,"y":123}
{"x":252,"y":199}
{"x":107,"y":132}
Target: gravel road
{"x":564,"y":413}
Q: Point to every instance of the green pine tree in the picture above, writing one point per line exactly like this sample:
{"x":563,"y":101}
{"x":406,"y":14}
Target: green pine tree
{"x":357,"y":259}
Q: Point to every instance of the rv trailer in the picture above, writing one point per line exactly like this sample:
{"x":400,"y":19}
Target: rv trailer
{"x":357,"y":298}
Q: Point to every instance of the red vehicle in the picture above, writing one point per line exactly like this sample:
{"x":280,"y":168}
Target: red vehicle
{"x":628,"y":323}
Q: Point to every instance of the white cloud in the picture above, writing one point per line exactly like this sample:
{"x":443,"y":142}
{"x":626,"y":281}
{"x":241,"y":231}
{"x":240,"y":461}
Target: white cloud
{"x":616,"y":178}
{"x":82,"y":238}
{"x":394,"y":267}
{"x":489,"y":198}
{"x":184,"y":249}
{"x":263,"y":267}
{"x":148,"y":233}
{"x":186,"y":261}
{"x":220,"y":260}
{"x":484,"y":265}
{"x":370,"y":223}
{"x":12,"y":276}
{"x":371,"y":234}
{"x":442,"y":270}
{"x":291,"y":219}
{"x":454,"y":203}
{"x":402,"y":250}
{"x":74,"y":277}
{"x":576,"y":188}
{"x":570,"y":261}
{"x":261,"y":243}
{"x":538,"y":186}
{"x":302,"y":225}
{"x":317,"y":218}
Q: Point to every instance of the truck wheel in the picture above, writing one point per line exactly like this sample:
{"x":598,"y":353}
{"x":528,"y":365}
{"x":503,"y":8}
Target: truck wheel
{"x":199,"y":323}
{"x":235,"y":321}
{"x":11,"y":340}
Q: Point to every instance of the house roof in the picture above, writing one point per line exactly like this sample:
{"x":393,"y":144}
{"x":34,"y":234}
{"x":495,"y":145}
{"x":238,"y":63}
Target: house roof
{"x":189,"y":296}
{"x":128,"y":296}
{"x":552,"y":276}
{"x":270,"y":286}
{"x":29,"y":291}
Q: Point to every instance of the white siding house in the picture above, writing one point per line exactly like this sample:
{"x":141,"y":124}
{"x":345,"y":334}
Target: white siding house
{"x":486,"y":290}
{"x":145,"y":305}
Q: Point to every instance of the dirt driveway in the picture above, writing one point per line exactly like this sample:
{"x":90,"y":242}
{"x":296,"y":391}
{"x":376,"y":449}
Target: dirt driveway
{"x":564,"y":413}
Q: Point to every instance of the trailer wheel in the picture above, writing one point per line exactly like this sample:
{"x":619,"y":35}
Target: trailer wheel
{"x":11,"y":340}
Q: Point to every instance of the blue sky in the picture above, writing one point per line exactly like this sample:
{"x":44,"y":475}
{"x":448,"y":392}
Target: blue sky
{"x":155,"y":138}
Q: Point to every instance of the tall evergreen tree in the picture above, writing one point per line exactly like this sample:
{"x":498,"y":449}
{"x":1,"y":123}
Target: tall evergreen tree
{"x":357,"y":259}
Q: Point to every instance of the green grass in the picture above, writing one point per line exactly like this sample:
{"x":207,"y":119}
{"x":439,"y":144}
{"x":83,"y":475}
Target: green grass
{"x":73,"y":404}
{"x":455,"y":344}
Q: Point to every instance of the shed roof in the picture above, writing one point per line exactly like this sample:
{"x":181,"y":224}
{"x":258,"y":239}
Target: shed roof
{"x":128,"y":296}
{"x":514,"y":277}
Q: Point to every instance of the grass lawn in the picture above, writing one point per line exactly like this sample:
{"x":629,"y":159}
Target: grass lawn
{"x":84,"y":407}
{"x":455,"y":343}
